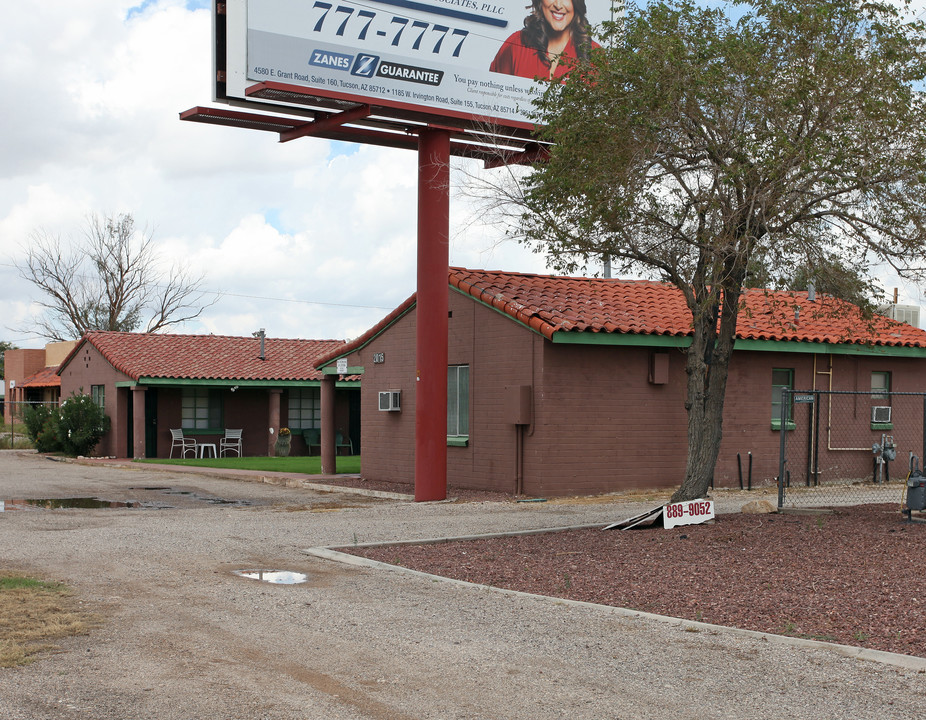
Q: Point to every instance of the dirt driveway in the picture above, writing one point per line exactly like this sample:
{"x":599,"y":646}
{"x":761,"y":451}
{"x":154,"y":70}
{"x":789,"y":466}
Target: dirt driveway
{"x":184,"y":637}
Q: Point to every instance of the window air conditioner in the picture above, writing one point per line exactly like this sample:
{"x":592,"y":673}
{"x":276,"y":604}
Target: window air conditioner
{"x":881,"y":414}
{"x":390,"y":400}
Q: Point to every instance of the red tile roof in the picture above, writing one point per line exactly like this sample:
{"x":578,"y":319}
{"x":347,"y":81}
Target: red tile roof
{"x":554,"y":304}
{"x":551,"y":304}
{"x":207,"y":357}
{"x":46,"y":377}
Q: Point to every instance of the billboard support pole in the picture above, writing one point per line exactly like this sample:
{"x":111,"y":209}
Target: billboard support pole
{"x":431,"y":314}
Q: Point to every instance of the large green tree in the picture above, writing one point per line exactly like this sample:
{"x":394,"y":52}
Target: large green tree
{"x":701,"y":143}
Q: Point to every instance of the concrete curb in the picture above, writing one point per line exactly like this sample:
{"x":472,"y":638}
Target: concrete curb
{"x":905,"y":662}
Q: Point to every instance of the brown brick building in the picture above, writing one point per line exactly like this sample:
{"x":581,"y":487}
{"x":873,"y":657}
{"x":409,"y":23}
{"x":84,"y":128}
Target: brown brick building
{"x":577,"y":386}
{"x":149,"y":384}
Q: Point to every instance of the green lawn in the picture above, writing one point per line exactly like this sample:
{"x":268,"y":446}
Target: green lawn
{"x":304,"y":465}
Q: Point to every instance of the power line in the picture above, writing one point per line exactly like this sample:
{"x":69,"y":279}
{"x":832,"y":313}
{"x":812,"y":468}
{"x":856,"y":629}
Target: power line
{"x":220,"y":294}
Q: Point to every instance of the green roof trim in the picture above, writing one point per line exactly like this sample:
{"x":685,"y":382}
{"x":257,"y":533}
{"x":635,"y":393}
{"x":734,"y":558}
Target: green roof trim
{"x":830,"y":348}
{"x":566,"y":337}
{"x":571,"y":337}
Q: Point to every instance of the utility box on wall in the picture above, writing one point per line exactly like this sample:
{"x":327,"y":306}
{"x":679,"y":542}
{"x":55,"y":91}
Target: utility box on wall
{"x":659,"y":368}
{"x":518,"y":404}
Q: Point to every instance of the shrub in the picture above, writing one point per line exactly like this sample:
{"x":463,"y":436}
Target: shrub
{"x":35,"y":418}
{"x":49,"y":437}
{"x":82,"y":423}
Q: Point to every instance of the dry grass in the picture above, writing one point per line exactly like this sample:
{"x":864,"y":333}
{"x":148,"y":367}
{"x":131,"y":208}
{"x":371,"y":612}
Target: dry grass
{"x":32,"y":613}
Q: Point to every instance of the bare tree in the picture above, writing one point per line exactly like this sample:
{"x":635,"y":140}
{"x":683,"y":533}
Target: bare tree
{"x":109,"y":279}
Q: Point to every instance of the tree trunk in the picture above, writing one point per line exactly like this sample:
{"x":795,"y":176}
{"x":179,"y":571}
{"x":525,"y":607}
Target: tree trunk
{"x":707,"y":365}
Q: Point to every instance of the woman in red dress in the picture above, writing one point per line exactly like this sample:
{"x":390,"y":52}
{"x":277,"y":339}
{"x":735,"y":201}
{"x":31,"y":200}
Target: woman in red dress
{"x":554,"y":30}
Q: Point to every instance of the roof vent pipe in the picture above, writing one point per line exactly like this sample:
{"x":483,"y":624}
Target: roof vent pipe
{"x":811,"y":292}
{"x":261,"y":334}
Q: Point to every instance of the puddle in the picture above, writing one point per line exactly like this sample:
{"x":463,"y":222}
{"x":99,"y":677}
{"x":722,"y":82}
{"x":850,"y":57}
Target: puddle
{"x":278,"y":577}
{"x":75,"y":502}
{"x":194,"y":496}
{"x":95,"y":503}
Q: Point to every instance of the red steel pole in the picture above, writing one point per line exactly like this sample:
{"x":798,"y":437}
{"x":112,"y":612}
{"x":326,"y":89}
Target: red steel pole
{"x":431,"y":314}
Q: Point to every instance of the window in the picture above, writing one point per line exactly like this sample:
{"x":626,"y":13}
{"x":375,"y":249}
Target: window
{"x":305,"y":408}
{"x":458,"y":400}
{"x":201,"y":408}
{"x":98,"y":395}
{"x":781,"y":378}
{"x":881,"y":387}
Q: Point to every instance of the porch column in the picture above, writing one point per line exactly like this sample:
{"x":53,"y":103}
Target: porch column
{"x":329,"y":451}
{"x":138,"y":422}
{"x":274,"y":415}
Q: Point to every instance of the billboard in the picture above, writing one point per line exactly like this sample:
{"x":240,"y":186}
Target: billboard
{"x":465,"y":59}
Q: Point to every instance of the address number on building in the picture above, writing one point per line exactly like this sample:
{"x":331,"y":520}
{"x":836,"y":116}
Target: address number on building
{"x":690,"y":512}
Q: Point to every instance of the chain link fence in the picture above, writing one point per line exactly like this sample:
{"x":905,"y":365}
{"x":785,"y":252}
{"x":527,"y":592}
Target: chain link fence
{"x":848,"y":448}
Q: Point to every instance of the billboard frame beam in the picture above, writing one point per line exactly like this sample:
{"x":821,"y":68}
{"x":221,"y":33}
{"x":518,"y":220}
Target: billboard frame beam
{"x":323,"y":124}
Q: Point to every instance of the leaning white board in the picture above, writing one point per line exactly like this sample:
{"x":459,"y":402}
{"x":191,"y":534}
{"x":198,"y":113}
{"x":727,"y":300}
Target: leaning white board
{"x":690,"y":512}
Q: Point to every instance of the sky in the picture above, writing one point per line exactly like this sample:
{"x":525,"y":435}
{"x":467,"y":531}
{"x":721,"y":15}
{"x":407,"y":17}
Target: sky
{"x":307,"y":239}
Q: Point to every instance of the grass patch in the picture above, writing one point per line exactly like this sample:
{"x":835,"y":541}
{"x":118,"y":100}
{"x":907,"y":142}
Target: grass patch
{"x":14,"y":438}
{"x":33,"y":612}
{"x":311,"y":465}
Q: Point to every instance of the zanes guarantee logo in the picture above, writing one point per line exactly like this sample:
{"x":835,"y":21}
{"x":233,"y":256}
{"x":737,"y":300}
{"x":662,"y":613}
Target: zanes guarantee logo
{"x":364,"y":65}
{"x":410,"y":73}
{"x":322,"y":58}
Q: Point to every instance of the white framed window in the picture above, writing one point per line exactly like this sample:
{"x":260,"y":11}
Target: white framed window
{"x":201,"y":409}
{"x":458,"y":400}
{"x":305,"y":408}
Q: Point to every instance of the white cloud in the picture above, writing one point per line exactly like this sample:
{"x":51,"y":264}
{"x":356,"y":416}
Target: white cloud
{"x":325,"y":232}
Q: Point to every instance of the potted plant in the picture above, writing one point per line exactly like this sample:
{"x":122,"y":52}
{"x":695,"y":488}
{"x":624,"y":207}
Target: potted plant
{"x":282,"y":444}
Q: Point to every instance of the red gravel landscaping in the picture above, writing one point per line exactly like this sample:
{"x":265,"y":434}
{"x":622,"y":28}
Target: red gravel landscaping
{"x":855,"y":576}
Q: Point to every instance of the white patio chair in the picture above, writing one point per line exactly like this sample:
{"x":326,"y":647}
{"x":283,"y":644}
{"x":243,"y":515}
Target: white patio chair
{"x":231,"y":441}
{"x":184,"y":443}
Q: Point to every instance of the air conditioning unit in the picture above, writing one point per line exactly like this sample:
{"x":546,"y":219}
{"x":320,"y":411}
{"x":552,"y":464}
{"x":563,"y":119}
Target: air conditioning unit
{"x":391,"y":400}
{"x":879,"y":414}
{"x":909,"y":314}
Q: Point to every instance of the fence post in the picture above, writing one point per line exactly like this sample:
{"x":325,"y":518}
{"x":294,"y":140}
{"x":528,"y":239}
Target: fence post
{"x":782,"y":428}
{"x":923,"y":456}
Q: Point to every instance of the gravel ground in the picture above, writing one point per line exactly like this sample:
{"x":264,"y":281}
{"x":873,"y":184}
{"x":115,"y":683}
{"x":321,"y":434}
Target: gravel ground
{"x":184,"y":637}
{"x":848,"y":577}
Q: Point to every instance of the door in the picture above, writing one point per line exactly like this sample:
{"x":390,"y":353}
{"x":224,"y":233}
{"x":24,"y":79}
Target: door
{"x":151,"y":422}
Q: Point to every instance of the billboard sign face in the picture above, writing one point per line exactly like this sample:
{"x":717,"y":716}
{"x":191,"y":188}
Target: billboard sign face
{"x":459,"y":58}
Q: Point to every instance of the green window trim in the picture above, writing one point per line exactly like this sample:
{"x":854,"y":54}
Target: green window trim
{"x":882,"y":426}
{"x":458,"y":401}
{"x":782,"y":378}
{"x":789,"y":425}
{"x":458,"y":441}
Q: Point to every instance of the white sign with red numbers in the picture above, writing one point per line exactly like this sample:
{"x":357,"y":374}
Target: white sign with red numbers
{"x":690,"y":512}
